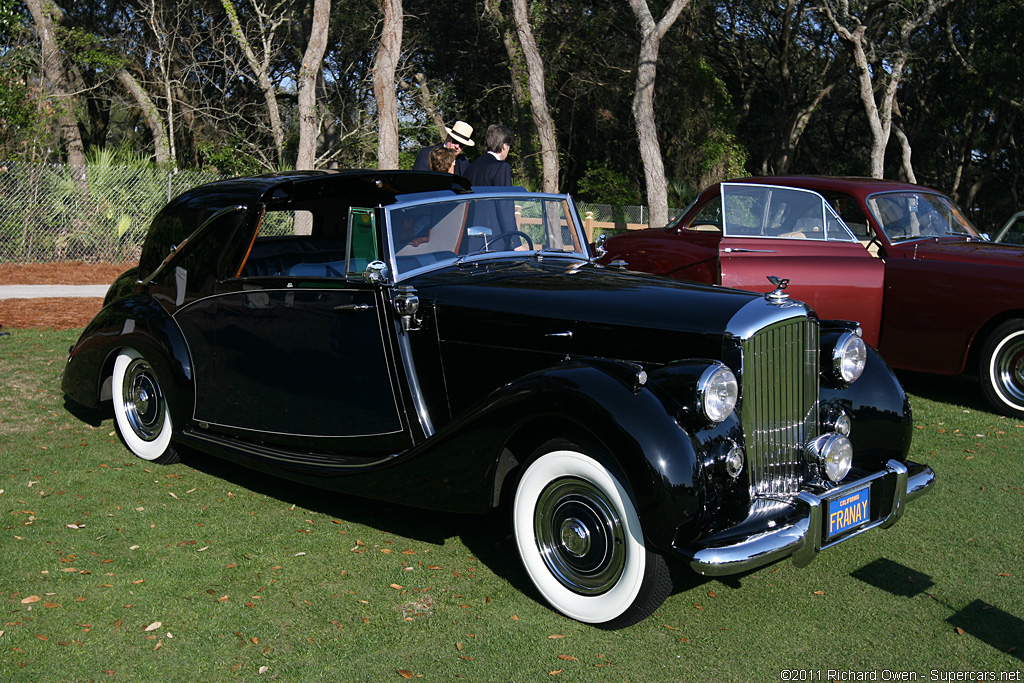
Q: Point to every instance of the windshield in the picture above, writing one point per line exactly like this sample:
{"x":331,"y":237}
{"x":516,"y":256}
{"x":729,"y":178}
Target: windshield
{"x":428,"y":234}
{"x":913,"y":215}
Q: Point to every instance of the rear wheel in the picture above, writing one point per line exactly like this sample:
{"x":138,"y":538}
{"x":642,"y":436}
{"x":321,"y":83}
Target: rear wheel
{"x":140,"y":409}
{"x":1002,"y":368}
{"x":580,"y":540}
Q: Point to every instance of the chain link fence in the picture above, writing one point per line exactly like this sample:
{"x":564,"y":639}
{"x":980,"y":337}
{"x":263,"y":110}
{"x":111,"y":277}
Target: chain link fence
{"x":92,"y":213}
{"x":101,"y":213}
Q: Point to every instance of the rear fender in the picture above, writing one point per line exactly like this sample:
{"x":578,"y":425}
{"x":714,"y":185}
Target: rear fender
{"x":139,"y":323}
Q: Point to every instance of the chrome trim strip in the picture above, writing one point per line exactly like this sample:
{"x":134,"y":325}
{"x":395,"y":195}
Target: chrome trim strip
{"x":757,"y":314}
{"x":415,"y":393}
{"x":263,"y":452}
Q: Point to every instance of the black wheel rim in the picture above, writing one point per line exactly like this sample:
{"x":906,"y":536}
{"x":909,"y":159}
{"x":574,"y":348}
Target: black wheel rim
{"x":142,"y":400}
{"x":580,"y":536}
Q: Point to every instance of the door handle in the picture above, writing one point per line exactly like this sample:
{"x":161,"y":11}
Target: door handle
{"x":353,"y":307}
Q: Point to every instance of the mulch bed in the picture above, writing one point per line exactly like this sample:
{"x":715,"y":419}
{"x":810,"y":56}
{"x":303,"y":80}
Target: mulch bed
{"x":60,"y":314}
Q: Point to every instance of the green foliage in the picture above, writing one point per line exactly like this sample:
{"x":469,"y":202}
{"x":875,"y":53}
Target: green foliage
{"x":229,"y":158}
{"x":606,"y":186}
{"x":88,"y":49}
{"x":118,"y":569}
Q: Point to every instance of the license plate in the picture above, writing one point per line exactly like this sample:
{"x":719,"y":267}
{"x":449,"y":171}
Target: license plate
{"x":849,"y":512}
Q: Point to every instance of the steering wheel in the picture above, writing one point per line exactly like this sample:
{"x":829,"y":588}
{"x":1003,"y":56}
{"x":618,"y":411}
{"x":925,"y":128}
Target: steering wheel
{"x":898,"y":229}
{"x":508,"y":236}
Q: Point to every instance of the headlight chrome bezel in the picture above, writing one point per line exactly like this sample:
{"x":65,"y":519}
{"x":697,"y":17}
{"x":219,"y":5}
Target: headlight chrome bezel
{"x":718,"y":392}
{"x":849,"y":357}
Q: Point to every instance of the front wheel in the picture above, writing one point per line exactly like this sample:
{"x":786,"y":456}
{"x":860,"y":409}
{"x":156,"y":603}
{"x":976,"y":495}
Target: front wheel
{"x":580,"y":540}
{"x":140,"y":409}
{"x":1002,"y":368}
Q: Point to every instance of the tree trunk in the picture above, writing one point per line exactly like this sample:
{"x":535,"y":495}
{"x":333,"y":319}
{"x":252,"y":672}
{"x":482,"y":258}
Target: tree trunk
{"x":538,"y":97}
{"x":43,"y":12}
{"x":261,"y":72}
{"x":879,"y":113}
{"x":308,"y":75}
{"x":161,"y":151}
{"x":651,"y":34}
{"x":384,"y":69}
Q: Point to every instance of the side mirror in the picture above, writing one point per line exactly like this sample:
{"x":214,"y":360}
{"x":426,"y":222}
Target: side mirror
{"x":599,"y":249}
{"x":376,"y":272}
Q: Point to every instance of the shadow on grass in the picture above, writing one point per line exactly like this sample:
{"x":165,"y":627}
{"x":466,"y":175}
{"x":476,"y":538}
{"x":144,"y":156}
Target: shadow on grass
{"x":991,"y":625}
{"x":90,"y":416}
{"x":957,"y":390}
{"x":998,"y":629}
{"x":487,"y":536}
{"x":894,"y":578}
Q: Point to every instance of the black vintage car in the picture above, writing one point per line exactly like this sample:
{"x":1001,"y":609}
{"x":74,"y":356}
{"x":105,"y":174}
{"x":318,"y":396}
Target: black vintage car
{"x":399,"y":335}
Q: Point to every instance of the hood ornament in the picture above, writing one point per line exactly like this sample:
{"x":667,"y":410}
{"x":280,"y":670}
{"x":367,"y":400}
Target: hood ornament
{"x":778,"y":296}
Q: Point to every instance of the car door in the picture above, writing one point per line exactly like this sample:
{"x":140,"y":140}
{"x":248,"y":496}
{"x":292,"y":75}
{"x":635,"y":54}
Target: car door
{"x":794,"y":234}
{"x":296,"y":351}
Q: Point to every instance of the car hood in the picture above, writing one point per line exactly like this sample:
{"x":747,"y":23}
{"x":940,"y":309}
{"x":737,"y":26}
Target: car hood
{"x":987,"y":253}
{"x":581,"y":308}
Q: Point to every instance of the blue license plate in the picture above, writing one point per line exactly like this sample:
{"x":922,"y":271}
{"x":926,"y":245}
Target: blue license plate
{"x":848,"y":512}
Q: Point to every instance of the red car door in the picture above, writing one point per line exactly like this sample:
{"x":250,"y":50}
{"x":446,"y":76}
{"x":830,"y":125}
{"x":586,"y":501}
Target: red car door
{"x":793,"y":234}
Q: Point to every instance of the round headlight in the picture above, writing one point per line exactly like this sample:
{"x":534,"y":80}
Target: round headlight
{"x":849,"y":357}
{"x":836,"y":457}
{"x":717,"y":392}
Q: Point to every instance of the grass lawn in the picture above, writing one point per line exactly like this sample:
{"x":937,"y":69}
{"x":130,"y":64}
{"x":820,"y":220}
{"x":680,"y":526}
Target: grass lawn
{"x":115,"y":569}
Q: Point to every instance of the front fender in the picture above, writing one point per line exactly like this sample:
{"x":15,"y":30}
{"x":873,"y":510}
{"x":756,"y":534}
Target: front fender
{"x":595,"y":403}
{"x":140,"y":323}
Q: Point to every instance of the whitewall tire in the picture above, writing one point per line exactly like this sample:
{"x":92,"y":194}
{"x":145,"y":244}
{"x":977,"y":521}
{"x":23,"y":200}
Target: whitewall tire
{"x":580,"y":540}
{"x":140,"y":409}
{"x":1001,"y":370}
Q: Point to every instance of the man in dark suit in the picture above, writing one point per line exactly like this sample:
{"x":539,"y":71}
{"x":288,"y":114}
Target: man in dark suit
{"x":490,"y":168}
{"x":460,"y":135}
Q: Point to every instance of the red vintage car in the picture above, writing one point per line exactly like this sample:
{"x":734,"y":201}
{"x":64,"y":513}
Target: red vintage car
{"x":931,"y":293}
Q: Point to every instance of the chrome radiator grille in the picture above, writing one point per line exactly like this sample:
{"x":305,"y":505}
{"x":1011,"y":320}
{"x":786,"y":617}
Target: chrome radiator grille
{"x":780,"y":395}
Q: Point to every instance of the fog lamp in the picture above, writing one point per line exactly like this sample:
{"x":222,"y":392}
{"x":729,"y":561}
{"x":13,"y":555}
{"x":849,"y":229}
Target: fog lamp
{"x":717,"y":392}
{"x":834,"y":454}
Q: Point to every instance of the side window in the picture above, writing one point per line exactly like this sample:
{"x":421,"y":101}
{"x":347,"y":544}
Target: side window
{"x":207,"y":255}
{"x":709,"y":218}
{"x":849,"y":210}
{"x":362,"y":248}
{"x":786,"y":212}
{"x":296,"y":243}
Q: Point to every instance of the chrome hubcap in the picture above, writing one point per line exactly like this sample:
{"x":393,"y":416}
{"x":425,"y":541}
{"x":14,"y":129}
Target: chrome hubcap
{"x":142,"y":400}
{"x":580,"y":536}
{"x":575,"y":537}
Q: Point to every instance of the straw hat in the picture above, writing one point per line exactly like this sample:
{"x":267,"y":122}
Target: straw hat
{"x":461,"y":132}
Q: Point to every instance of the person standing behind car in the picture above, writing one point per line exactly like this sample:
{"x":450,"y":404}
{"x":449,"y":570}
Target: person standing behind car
{"x":460,"y":135}
{"x":443,"y":159}
{"x":490,"y":168}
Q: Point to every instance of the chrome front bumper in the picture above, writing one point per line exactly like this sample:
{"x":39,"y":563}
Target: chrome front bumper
{"x":801,"y":533}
